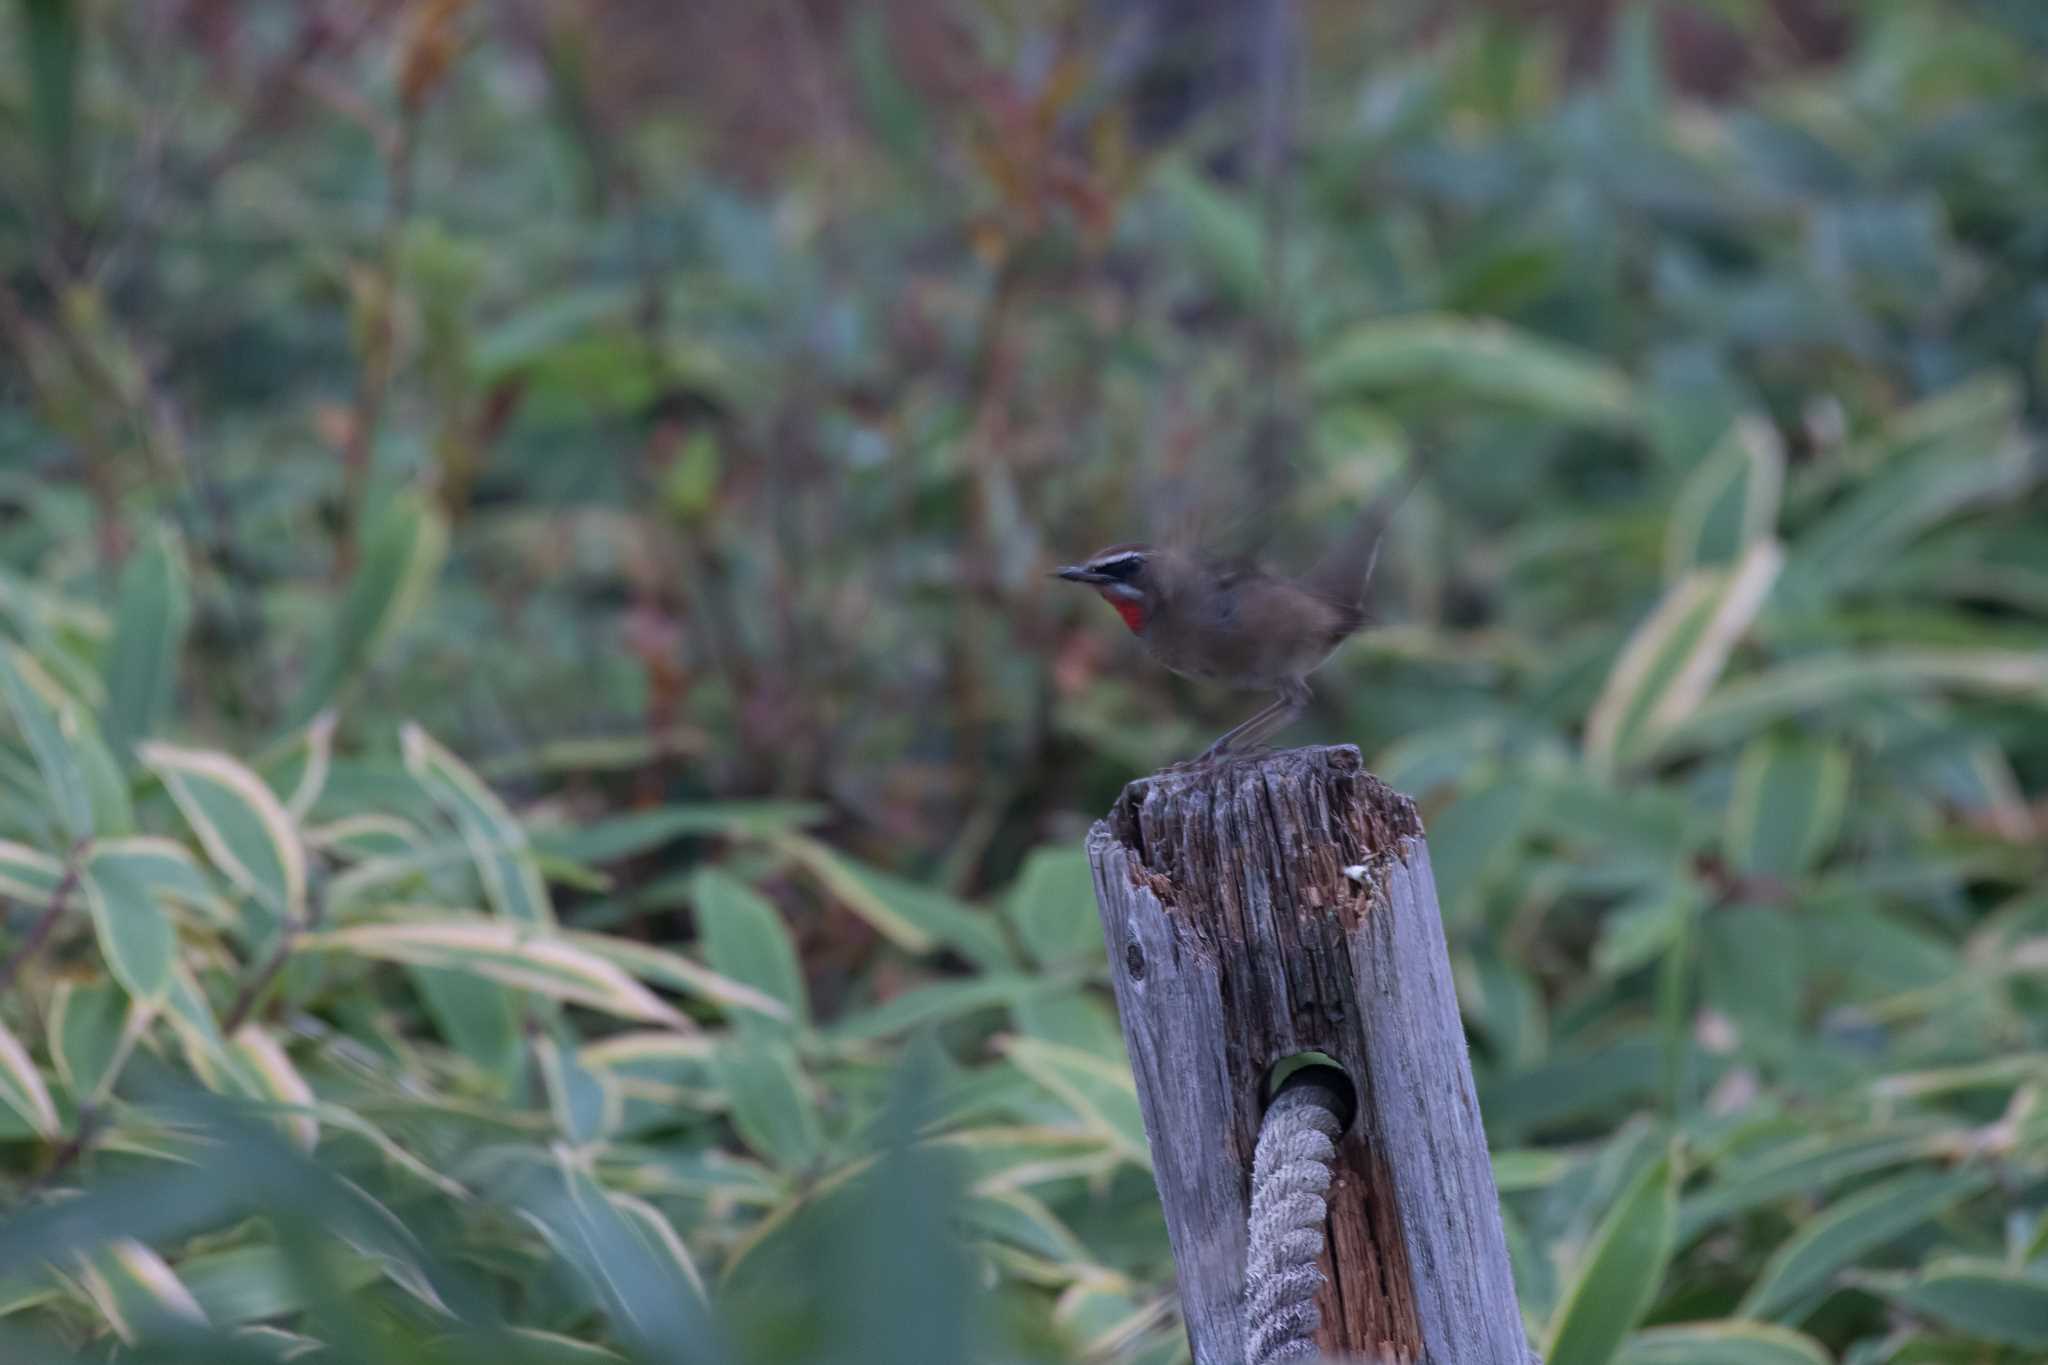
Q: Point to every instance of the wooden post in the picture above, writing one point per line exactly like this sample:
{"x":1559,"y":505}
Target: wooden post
{"x":1278,"y":905}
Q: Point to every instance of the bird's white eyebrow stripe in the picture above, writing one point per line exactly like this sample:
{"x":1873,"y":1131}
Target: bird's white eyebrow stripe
{"x":1108,"y":561}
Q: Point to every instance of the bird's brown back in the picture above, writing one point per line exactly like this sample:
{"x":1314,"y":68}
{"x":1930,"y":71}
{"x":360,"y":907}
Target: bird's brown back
{"x":1243,"y":627}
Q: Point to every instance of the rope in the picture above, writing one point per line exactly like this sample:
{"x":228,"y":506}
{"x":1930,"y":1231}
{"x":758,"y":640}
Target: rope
{"x":1290,"y":1175}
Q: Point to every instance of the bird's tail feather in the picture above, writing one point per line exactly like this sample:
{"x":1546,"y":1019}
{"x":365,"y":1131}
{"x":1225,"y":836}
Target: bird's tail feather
{"x":1346,"y":572}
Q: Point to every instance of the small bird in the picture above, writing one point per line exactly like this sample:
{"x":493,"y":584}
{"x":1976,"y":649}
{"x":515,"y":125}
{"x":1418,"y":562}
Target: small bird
{"x":1239,"y":624}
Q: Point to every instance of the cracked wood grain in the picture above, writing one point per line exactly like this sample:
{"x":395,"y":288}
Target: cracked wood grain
{"x":1278,"y":905}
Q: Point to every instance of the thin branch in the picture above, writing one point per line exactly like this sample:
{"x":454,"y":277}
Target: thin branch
{"x":75,"y":1146}
{"x":60,"y":899}
{"x":252,"y":990}
{"x":373,"y":381}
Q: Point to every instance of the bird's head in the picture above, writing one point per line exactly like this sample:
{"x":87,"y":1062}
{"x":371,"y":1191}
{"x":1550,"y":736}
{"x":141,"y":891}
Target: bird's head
{"x":1130,"y":577}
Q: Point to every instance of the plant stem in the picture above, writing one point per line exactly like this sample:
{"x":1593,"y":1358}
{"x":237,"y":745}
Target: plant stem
{"x":373,"y":381}
{"x":45,"y":923}
{"x":258,"y":982}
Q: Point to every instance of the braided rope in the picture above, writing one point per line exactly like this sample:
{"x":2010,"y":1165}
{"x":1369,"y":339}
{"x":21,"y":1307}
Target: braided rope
{"x":1290,"y":1176}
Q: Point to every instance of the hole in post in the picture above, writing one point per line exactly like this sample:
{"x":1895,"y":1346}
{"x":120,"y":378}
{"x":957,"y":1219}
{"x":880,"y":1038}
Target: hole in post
{"x":1317,"y":1069}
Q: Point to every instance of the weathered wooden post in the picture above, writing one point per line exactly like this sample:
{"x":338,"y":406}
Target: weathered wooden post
{"x":1278,"y":905}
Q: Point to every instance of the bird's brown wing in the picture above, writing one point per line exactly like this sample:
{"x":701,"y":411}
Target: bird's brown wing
{"x":1252,"y":630}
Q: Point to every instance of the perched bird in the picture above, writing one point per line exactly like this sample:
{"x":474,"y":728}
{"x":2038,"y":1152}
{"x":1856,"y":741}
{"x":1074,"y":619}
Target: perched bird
{"x":1238,"y":624}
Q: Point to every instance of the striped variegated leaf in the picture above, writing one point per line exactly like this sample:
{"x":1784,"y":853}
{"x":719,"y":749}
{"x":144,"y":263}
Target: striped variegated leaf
{"x":135,"y":935}
{"x":136,"y":1291}
{"x":1728,"y":1341}
{"x":93,"y":1026}
{"x":1621,"y":1270}
{"x":772,"y":1102}
{"x":496,"y":840}
{"x":586,"y":1101}
{"x":1474,"y":360}
{"x":149,"y":635}
{"x":1094,"y":1087}
{"x":46,"y":718}
{"x":678,"y":973}
{"x":272,"y":1069}
{"x":318,"y":760}
{"x":241,"y":824}
{"x":28,"y":875}
{"x":403,"y":547}
{"x":1729,"y":501}
{"x":22,"y":1088}
{"x":1675,"y":656}
{"x":512,"y":954}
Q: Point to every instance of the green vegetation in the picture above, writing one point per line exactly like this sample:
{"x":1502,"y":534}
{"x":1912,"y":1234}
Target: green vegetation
{"x":541,"y":781}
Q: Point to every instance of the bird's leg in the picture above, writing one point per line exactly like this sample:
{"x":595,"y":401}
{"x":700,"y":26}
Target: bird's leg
{"x":1234,"y":735}
{"x":1276,"y":716}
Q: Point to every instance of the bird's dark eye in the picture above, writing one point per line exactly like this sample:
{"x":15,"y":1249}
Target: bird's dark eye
{"x":1120,"y":568}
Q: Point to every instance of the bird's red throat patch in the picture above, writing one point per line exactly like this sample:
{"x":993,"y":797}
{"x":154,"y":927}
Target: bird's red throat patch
{"x":1132,"y":612}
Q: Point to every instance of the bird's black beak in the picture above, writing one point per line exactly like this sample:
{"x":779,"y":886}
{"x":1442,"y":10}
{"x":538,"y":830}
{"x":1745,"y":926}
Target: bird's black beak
{"x":1075,"y":573}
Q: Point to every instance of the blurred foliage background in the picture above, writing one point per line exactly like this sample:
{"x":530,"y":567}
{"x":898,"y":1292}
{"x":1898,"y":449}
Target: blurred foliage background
{"x":541,"y":776}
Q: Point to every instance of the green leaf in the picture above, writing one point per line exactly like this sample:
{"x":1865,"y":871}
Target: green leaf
{"x":1597,"y":1083}
{"x":275,"y":1078}
{"x":890,"y":104}
{"x":150,"y":619}
{"x":1984,"y":1298}
{"x":190,"y":1016}
{"x":402,"y":553}
{"x":1641,"y":931}
{"x":1620,"y":1273}
{"x":167,"y":869}
{"x":939,"y":1003}
{"x":28,"y":875}
{"x":1052,"y":907}
{"x":1884,"y":511}
{"x":316,"y":743}
{"x":1827,"y":683}
{"x":134,"y":933}
{"x":746,"y":941}
{"x":1515,"y":1171}
{"x":495,"y":839}
{"x":1015,"y":1217}
{"x":586,"y":1102}
{"x":660,"y":1076}
{"x":1067,"y":1014}
{"x":633,"y":1262}
{"x":113,"y":813}
{"x":1786,"y":808}
{"x":478,"y":1016}
{"x":1729,"y":502}
{"x":22,"y":1088}
{"x":244,"y":829}
{"x":1812,"y":1166}
{"x":1722,"y":1343}
{"x":511,"y":954}
{"x":1224,"y":230}
{"x":55,"y":34}
{"x":678,"y":973}
{"x":1466,"y":359}
{"x":1851,"y":1229}
{"x":771,"y":1102}
{"x":136,"y":1291}
{"x":913,"y":917}
{"x":92,"y":1027}
{"x":257,"y":1282}
{"x":1470,"y":839}
{"x":1675,"y":656}
{"x":46,"y":719}
{"x":1097,"y":1089}
{"x":625,"y":836}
